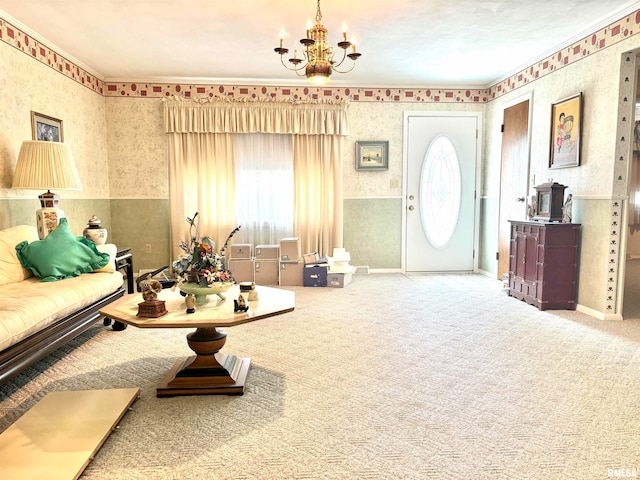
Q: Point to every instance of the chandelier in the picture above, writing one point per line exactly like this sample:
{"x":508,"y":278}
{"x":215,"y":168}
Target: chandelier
{"x":318,"y":63}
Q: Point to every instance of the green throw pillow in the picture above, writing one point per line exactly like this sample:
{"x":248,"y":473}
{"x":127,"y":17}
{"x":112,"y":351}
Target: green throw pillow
{"x":60,"y":255}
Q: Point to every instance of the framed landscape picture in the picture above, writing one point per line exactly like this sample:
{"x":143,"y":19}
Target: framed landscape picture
{"x":566,"y":129}
{"x":372,"y":155}
{"x":45,"y":128}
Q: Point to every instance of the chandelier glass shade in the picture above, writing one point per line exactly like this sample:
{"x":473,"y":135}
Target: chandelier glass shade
{"x":317,"y":62}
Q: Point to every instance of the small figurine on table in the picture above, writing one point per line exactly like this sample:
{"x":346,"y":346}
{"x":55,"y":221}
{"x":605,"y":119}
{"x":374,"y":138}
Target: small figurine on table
{"x":253,"y":293}
{"x":150,"y":289}
{"x":190,"y":300}
{"x":240,"y":305}
{"x":566,"y":210}
{"x":151,"y":307}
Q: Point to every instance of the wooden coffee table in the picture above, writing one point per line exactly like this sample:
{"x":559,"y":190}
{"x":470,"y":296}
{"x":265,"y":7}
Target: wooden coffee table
{"x":208,"y":371}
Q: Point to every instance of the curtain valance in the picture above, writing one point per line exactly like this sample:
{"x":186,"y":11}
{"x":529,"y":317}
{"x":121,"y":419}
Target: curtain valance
{"x":254,"y":116}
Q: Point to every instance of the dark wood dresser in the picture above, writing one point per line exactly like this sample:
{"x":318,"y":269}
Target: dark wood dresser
{"x":543,"y":261}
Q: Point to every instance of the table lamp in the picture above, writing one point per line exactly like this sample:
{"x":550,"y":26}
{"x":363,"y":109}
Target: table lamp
{"x":47,"y":165}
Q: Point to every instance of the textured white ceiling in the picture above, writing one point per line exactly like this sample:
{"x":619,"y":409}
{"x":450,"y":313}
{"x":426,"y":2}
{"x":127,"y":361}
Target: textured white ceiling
{"x":404,"y":43}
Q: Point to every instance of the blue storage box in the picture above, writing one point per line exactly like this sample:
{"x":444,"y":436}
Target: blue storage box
{"x":315,"y":275}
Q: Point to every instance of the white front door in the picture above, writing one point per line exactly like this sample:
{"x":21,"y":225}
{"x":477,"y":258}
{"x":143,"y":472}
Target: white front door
{"x":440,"y":194}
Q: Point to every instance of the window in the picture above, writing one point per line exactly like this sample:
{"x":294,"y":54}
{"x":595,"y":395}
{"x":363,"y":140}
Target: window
{"x":264,"y":187}
{"x":440,"y":191}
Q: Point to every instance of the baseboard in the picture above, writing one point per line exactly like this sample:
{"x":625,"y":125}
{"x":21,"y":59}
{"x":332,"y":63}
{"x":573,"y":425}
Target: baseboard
{"x":358,"y":270}
{"x":385,"y":270}
{"x":597,"y":314}
{"x":486,"y":273}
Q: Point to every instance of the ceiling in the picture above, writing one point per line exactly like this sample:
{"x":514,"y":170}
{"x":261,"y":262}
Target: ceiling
{"x":404,"y":43}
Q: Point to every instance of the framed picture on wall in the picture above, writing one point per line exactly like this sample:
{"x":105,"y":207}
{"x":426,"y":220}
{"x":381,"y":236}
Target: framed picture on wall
{"x":566,"y":130}
{"x":45,"y":128}
{"x":372,"y":155}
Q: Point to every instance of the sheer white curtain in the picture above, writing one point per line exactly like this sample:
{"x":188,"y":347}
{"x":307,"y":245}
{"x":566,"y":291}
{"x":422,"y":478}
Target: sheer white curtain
{"x":264,"y":187}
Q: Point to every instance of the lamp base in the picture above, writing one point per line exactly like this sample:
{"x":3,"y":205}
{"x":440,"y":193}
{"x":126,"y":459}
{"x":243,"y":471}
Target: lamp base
{"x":49,"y":199}
{"x":48,"y":220}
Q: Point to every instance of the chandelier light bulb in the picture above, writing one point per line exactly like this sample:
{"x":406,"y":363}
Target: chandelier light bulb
{"x":344,"y":30}
{"x":309,"y":27}
{"x":319,"y":79}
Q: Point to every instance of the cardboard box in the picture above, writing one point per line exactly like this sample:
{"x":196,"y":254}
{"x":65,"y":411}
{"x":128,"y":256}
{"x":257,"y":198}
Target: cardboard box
{"x":339,"y":280}
{"x":267,"y":252}
{"x":240,"y":250}
{"x":290,"y":250}
{"x":291,"y":273}
{"x":315,"y":259}
{"x":310,"y":258}
{"x":315,"y":275}
{"x":266,"y":272}
{"x":242,"y":269}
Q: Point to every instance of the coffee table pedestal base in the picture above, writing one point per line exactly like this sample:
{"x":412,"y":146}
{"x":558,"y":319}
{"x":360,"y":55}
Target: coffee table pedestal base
{"x":208,"y":372}
{"x":180,"y":380}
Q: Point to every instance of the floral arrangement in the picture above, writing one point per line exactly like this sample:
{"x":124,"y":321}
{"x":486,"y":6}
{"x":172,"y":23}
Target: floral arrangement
{"x":201,"y":264}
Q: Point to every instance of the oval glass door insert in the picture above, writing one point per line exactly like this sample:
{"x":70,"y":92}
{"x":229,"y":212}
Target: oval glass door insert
{"x":440,"y":191}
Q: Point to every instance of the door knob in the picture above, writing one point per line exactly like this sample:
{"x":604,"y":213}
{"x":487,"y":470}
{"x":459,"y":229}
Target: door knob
{"x":520,"y":199}
{"x":411,"y":207}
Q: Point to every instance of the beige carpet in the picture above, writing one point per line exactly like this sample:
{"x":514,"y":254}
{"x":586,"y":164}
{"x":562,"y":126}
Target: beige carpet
{"x":392,"y":377}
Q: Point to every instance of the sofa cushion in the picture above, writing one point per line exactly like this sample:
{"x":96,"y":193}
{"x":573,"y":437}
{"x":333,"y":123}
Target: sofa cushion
{"x":29,"y":306}
{"x":112,"y":250}
{"x":61,"y":255}
{"x":11,"y":270}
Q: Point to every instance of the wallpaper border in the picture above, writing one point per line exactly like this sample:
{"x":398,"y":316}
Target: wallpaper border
{"x":610,"y":35}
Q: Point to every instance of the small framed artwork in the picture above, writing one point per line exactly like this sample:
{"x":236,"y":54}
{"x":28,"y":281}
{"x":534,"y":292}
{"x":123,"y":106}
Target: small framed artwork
{"x":45,"y":128}
{"x":372,"y":155}
{"x":566,"y":130}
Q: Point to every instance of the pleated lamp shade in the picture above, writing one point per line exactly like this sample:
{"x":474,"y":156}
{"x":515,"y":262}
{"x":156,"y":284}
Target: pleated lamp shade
{"x":46,"y":165}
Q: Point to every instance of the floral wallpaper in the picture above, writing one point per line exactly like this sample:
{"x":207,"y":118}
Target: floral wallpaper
{"x":382,"y":121}
{"x":27,"y":86}
{"x":138,"y":160}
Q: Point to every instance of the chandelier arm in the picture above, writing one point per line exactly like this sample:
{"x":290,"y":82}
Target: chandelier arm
{"x":293,"y":69}
{"x":337,"y":64}
{"x":353,"y":65}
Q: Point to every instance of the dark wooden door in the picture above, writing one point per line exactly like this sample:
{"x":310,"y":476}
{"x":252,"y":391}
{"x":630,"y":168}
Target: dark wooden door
{"x":514,"y":177}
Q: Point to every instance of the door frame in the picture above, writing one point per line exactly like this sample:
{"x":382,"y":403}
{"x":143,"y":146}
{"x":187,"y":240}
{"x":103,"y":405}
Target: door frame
{"x":405,"y":168}
{"x":530,"y":180}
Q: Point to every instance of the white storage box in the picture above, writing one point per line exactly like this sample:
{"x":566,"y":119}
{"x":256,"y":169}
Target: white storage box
{"x":242,"y":269}
{"x":266,"y":272}
{"x":291,"y":273}
{"x":240,"y":250}
{"x":267,"y":252}
{"x":290,"y":250}
{"x":339,"y":263}
{"x":339,"y":280}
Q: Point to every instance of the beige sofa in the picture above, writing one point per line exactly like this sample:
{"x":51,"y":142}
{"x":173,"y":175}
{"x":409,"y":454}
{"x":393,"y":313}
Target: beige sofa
{"x":37,"y":317}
